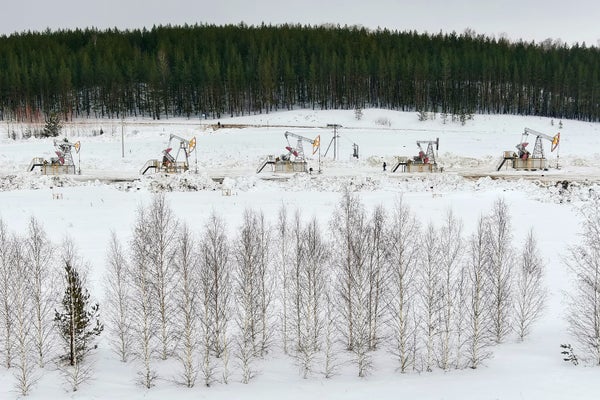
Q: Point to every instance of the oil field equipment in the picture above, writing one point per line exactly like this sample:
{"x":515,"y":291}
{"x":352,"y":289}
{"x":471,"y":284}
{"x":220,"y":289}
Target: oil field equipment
{"x":522,"y":159}
{"x":170,"y":163}
{"x":334,"y":140}
{"x":294,"y":160}
{"x":61,"y":164}
{"x":424,"y":161}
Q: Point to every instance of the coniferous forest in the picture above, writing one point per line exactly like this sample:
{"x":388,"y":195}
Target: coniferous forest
{"x":218,"y":71}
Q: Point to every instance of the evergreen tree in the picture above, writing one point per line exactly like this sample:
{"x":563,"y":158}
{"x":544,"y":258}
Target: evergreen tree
{"x":77,"y":321}
{"x":53,"y":125}
{"x":212,"y":70}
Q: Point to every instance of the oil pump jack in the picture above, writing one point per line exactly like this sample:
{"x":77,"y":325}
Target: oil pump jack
{"x":530,"y":161}
{"x":424,"y":161}
{"x":187,"y":146}
{"x":294,"y":160}
{"x":298,"y":151}
{"x":170,"y":163}
{"x":63,"y":163}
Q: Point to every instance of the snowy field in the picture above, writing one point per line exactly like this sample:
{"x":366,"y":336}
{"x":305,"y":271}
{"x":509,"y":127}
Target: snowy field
{"x":109,"y":190}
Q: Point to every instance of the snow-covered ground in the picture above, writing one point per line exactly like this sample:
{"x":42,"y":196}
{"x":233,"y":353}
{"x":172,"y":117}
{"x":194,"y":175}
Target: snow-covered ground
{"x":105,"y":196}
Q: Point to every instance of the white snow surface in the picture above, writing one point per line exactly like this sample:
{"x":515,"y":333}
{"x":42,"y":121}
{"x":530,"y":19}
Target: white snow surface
{"x":109,"y":190}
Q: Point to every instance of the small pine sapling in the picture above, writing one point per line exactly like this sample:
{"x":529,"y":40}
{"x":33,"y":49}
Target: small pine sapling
{"x":77,"y":321}
{"x":53,"y":125}
{"x":568,"y":354}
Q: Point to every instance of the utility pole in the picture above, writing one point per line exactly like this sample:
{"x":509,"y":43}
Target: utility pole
{"x":319,"y":156}
{"x":335,"y":137}
{"x":122,"y":137}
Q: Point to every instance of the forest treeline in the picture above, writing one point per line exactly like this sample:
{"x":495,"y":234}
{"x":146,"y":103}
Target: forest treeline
{"x":215,"y":71}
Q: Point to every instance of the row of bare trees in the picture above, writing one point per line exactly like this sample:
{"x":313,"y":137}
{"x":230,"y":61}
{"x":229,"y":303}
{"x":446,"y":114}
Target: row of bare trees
{"x":583,"y":298}
{"x":435,"y":298}
{"x":36,"y":327}
{"x":218,"y":303}
{"x":171,"y":295}
{"x":374,"y":280}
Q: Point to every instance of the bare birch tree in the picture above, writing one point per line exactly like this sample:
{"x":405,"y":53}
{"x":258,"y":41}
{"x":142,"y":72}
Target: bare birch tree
{"x":451,"y":246}
{"x":351,"y":232}
{"x":530,"y":294}
{"x":217,"y":289}
{"x":189,"y":304}
{"x":144,"y":321}
{"x":248,"y":292}
{"x":360,"y":295}
{"x":311,"y":285}
{"x":416,"y":345}
{"x":378,"y":275}
{"x":296,"y":293}
{"x":330,"y":341}
{"x":584,"y":298}
{"x":283,"y":239}
{"x":7,"y":297}
{"x":245,"y":350}
{"x":42,"y":280}
{"x":500,"y":268}
{"x":161,"y":230}
{"x":118,"y":294}
{"x":477,"y":308}
{"x":430,"y":294}
{"x":265,"y":281}
{"x":24,"y":346}
{"x":460,"y":319}
{"x":403,"y":256}
{"x":345,"y":229}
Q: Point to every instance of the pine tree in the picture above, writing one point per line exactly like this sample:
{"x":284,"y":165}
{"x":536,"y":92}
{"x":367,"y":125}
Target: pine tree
{"x":53,"y":125}
{"x":78,"y":322}
{"x":358,"y":113}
